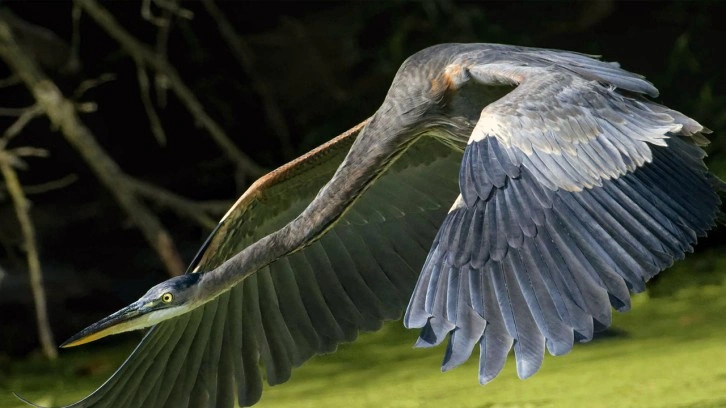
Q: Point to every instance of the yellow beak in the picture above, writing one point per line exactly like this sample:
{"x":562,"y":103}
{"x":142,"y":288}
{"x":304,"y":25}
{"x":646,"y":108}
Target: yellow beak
{"x":121,"y":321}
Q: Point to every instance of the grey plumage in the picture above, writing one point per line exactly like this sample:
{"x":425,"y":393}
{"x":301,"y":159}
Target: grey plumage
{"x":594,"y":246}
{"x":570,"y":189}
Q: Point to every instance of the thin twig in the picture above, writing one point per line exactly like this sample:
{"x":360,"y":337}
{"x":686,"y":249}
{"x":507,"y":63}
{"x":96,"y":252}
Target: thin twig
{"x":85,"y":107}
{"x":89,"y":84}
{"x":29,"y":114}
{"x":164,"y":24}
{"x":62,"y":114}
{"x":22,"y":212}
{"x":156,"y":128}
{"x":149,"y":16}
{"x":174,"y":7}
{"x":243,"y":55}
{"x":29,"y":151}
{"x":161,"y":85}
{"x":141,"y":52}
{"x":14,"y":161}
{"x":52,"y":185}
{"x":177,"y":203}
{"x":168,"y":8}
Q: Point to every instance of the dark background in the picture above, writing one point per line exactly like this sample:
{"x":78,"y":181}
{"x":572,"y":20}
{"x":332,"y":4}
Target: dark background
{"x":327,"y":66}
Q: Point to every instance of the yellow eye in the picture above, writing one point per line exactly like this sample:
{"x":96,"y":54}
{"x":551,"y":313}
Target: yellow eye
{"x":166,"y":297}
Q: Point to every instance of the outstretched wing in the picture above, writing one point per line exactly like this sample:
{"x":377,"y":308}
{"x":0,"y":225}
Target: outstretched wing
{"x":572,"y":190}
{"x":575,"y":190}
{"x":360,"y":273}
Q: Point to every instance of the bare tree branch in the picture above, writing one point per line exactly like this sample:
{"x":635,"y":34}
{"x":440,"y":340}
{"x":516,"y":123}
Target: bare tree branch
{"x":29,"y":151}
{"x":85,"y":107}
{"x":167,"y":7}
{"x":243,"y":55}
{"x":141,"y":52}
{"x":174,"y":7}
{"x":198,"y":212}
{"x":89,"y":84}
{"x":149,"y":16}
{"x":28,"y":114}
{"x":62,"y":114}
{"x":22,"y":212}
{"x":41,"y":188}
{"x":161,"y":85}
{"x":57,"y":184}
{"x":156,"y":128}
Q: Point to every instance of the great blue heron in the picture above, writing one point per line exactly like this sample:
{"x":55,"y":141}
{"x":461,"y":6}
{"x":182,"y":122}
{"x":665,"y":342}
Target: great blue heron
{"x":570,"y":188}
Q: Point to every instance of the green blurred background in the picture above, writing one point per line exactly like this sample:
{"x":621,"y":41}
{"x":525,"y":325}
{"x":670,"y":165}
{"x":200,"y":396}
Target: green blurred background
{"x":325,"y":66}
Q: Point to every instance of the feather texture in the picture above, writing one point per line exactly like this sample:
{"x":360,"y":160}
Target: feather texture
{"x":557,"y":283}
{"x":573,"y":190}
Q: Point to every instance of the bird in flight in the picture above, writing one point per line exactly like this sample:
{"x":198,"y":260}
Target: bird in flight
{"x":501,"y":197}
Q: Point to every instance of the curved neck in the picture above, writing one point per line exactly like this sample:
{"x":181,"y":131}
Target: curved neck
{"x":375,"y":148}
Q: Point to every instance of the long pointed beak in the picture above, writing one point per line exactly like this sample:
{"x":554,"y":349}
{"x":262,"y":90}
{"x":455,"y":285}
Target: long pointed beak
{"x":121,"y":321}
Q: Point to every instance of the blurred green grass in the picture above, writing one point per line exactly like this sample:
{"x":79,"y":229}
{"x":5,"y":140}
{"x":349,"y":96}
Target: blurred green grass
{"x":667,"y":352}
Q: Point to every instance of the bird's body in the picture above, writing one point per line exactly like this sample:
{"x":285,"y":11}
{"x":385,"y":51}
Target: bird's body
{"x":508,"y":195}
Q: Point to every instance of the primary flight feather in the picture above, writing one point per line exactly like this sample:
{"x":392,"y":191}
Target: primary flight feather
{"x":509,"y":196}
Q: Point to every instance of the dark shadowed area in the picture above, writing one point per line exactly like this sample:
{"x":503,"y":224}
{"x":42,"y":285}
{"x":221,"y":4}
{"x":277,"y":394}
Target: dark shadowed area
{"x":207,"y":96}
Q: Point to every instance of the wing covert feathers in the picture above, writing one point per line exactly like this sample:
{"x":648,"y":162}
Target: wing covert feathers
{"x":517,"y":262}
{"x":573,"y":193}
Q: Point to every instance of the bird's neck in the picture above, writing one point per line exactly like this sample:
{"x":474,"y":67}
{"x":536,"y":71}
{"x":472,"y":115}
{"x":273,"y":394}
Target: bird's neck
{"x":375,"y":148}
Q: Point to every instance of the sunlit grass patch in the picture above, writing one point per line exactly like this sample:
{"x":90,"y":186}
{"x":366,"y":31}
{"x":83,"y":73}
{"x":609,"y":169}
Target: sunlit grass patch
{"x":667,"y":352}
{"x":670,"y":354}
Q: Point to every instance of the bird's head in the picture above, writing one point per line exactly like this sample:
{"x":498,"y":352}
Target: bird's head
{"x":168,"y":299}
